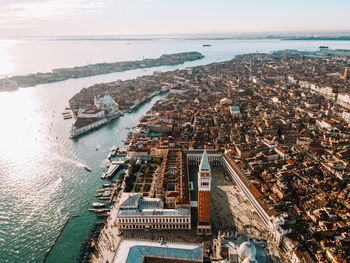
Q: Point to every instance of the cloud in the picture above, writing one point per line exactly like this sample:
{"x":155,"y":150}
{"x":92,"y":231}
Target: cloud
{"x":18,"y":12}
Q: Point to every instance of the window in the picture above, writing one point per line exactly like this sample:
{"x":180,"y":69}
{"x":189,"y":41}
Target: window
{"x":204,"y":183}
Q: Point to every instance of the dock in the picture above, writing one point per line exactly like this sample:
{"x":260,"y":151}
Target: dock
{"x":56,"y":238}
{"x":100,"y":210}
{"x":103,"y":215}
{"x":103,"y":197}
{"x":113,"y":168}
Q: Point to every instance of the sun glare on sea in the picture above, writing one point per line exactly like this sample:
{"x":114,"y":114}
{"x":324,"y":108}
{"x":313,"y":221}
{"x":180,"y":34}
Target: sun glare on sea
{"x":21,"y":139}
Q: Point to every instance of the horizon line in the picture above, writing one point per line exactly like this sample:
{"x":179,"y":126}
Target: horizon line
{"x":273,"y":33}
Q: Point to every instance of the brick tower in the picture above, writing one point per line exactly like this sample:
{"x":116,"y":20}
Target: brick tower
{"x":204,"y":186}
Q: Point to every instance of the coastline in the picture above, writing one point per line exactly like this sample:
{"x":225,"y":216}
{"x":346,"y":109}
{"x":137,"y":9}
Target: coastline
{"x":61,"y":74}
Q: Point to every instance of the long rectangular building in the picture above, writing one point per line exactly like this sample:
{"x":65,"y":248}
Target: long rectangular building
{"x":138,"y":212}
{"x":266,"y":212}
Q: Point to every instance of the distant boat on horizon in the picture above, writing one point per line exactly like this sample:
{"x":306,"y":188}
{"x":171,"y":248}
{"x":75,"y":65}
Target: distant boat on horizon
{"x":206,"y":45}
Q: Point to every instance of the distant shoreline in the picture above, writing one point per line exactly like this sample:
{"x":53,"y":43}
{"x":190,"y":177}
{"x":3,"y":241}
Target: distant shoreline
{"x":61,"y":74}
{"x":345,"y":37}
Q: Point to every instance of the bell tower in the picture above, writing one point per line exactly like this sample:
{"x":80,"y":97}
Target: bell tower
{"x":204,"y":188}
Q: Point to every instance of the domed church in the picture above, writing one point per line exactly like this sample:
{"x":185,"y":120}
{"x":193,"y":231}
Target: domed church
{"x":247,"y":252}
{"x":106,"y":103}
{"x":241,"y":249}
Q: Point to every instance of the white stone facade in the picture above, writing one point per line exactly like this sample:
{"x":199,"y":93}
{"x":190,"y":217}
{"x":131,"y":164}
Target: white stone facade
{"x":138,"y":212}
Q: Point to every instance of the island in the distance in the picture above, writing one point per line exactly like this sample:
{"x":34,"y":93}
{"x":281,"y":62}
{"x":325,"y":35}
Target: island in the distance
{"x":60,"y":74}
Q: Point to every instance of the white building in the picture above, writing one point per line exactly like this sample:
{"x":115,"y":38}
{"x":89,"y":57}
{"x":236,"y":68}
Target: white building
{"x":234,"y":109}
{"x":83,"y":125}
{"x":328,"y":124}
{"x":138,"y":212}
{"x":91,"y":112}
{"x":225,"y":101}
{"x":281,"y":152}
{"x":178,"y":91}
{"x":346,"y":116}
{"x":344,"y":97}
{"x":103,"y":110}
{"x":106,"y":103}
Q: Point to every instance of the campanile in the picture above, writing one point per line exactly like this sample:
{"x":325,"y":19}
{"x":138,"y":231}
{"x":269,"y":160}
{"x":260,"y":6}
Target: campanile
{"x":204,"y":187}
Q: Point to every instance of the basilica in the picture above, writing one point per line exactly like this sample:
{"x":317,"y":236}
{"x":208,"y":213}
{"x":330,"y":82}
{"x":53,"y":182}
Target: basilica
{"x":106,"y":103}
{"x":103,"y":110}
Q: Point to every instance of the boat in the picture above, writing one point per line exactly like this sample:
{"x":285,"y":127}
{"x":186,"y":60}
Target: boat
{"x":98,"y":147}
{"x":107,"y":193}
{"x":98,"y":205}
{"x":87,"y":168}
{"x":126,"y":141}
{"x":106,"y":185}
{"x":113,"y":148}
{"x":103,"y":175}
{"x":98,"y":194}
{"x":206,"y":45}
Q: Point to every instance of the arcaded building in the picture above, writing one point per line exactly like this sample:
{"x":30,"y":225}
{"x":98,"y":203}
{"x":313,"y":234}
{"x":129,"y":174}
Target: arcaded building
{"x":138,"y":212}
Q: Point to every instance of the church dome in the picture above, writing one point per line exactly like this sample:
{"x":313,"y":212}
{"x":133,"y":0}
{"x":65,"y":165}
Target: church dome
{"x":250,"y":260}
{"x":247,"y":250}
{"x":108,"y":100}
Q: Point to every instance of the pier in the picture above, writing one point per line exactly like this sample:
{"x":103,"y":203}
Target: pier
{"x":113,"y":168}
{"x":101,"y":210}
{"x":57,"y":237}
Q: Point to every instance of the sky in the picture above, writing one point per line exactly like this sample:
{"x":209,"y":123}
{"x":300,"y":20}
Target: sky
{"x":136,"y":17}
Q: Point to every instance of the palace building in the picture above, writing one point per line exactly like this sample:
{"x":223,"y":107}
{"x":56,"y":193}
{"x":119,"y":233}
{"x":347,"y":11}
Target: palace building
{"x":138,"y":212}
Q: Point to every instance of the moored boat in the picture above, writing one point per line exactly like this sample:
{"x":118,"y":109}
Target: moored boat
{"x":98,"y":205}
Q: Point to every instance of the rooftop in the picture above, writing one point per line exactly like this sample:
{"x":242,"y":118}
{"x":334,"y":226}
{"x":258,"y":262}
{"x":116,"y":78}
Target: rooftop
{"x":204,"y":166}
{"x":130,"y":251}
{"x":235,"y":108}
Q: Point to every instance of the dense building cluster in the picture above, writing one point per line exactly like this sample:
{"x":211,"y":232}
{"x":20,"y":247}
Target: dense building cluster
{"x":281,"y":125}
{"x":60,"y":74}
